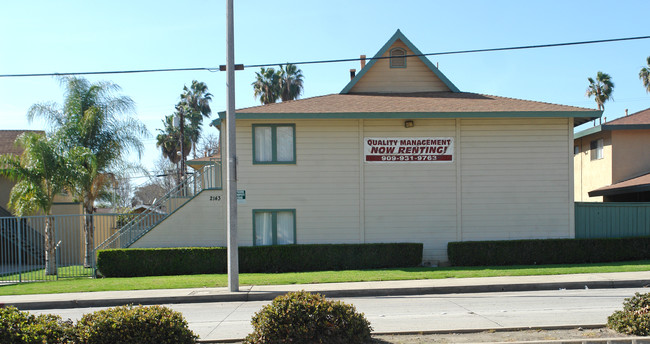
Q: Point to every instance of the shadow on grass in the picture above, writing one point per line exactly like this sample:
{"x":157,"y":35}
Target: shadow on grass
{"x":520,"y":267}
{"x":38,"y":274}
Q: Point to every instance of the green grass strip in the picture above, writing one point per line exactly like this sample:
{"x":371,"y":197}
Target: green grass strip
{"x":221,"y":280}
{"x":39,"y":274}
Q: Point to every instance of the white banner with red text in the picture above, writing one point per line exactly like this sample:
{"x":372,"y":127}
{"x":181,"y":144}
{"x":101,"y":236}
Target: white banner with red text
{"x":408,"y":149}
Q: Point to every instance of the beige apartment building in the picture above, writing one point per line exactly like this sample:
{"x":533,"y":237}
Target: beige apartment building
{"x":63,"y":204}
{"x":399,"y":155}
{"x":612,"y":160}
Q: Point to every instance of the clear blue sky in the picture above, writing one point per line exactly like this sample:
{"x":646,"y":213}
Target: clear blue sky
{"x":72,"y":36}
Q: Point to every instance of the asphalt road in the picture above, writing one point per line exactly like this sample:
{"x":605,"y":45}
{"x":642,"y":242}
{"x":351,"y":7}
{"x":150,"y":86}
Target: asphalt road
{"x":226,"y":320}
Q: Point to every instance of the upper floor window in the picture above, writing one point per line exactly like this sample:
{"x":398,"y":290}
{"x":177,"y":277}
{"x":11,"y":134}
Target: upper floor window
{"x":596,"y":147}
{"x":398,"y":58}
{"x":576,"y":149}
{"x":274,"y":144}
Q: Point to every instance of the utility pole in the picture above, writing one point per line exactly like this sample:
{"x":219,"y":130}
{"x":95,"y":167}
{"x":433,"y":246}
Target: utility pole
{"x":181,"y":112}
{"x":231,"y":156}
{"x":181,"y":127}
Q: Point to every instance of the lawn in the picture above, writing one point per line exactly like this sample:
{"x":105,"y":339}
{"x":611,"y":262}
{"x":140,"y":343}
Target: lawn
{"x":39,"y":274}
{"x":221,"y":280}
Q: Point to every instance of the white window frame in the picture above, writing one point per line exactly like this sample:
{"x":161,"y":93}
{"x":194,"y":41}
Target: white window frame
{"x":274,"y":159}
{"x":596,"y":149}
{"x":274,"y":225}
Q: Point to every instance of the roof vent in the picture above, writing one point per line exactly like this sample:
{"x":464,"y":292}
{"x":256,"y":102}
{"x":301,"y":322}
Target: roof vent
{"x":353,"y":73}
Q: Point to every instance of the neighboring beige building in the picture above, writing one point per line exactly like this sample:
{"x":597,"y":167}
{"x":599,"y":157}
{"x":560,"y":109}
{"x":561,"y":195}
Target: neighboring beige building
{"x":612,"y":160}
{"x":64,"y":204}
{"x":400,"y":155}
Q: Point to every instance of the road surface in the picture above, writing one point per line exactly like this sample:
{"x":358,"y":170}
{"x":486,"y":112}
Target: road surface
{"x":226,"y":320}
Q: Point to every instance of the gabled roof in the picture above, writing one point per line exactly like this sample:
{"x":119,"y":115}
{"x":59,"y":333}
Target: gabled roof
{"x":198,"y":163}
{"x":637,"y":120}
{"x":412,"y":105}
{"x":399,"y":36}
{"x":8,"y":137}
{"x":432,"y":104}
{"x":633,"y":185}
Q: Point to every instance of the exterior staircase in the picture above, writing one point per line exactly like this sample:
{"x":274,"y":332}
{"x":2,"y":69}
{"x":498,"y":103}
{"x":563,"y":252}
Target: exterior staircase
{"x":207,"y":178}
{"x":16,"y":234}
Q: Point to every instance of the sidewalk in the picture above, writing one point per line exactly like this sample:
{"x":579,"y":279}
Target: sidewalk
{"x":333,"y":290}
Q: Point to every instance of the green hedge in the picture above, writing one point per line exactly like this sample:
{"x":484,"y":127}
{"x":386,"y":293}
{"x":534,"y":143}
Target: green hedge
{"x":132,"y":262}
{"x":547,"y":251}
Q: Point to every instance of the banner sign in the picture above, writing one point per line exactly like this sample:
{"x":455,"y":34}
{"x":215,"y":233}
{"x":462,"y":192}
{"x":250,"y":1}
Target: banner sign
{"x":405,"y":149}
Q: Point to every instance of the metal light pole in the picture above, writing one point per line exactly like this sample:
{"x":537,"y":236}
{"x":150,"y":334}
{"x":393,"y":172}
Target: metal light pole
{"x":231,"y":157}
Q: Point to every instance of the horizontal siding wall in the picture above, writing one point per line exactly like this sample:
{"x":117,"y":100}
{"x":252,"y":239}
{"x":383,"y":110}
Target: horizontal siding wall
{"x":416,"y":77}
{"x":411,"y":202}
{"x":514,"y":179}
{"x":612,"y":220}
{"x":323,"y":184}
{"x":201,"y":223}
{"x":509,"y":180}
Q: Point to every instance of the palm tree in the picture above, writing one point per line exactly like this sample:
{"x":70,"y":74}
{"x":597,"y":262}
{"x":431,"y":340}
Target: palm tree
{"x":168,"y":140}
{"x":644,"y":75}
{"x":40,"y":173}
{"x":94,"y":118}
{"x":601,"y":89}
{"x":196,"y":102}
{"x":291,"y":83}
{"x":267,"y":85}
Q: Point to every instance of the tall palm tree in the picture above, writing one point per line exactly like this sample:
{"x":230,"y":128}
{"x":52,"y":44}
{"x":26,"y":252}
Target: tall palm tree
{"x":40,"y":173}
{"x":291,"y":82}
{"x":601,"y":89}
{"x":196,"y":101}
{"x":94,"y":118}
{"x":168,"y":140}
{"x":644,"y":75}
{"x":267,"y":85}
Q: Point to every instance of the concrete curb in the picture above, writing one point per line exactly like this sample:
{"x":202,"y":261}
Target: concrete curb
{"x":270,"y":295}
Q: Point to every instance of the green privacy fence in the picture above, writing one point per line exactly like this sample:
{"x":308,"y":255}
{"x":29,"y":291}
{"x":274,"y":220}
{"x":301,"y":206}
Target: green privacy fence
{"x":612,"y":219}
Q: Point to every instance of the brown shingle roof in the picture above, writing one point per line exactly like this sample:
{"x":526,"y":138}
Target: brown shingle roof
{"x":198,"y":163}
{"x":427,"y":102}
{"x":638,"y":184}
{"x":637,"y":118}
{"x":7,"y":139}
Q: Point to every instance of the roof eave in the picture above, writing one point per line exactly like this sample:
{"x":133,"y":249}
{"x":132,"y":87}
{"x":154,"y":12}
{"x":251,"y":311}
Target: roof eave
{"x":625,"y":126}
{"x":415,"y":115}
{"x":620,"y":191}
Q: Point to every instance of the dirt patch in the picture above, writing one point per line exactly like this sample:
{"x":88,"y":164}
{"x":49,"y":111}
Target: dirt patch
{"x":498,"y":336}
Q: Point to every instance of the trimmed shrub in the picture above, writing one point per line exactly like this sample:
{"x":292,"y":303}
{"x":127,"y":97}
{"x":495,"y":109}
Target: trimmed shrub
{"x":547,"y":251}
{"x":262,"y":259}
{"x":132,"y":262}
{"x":18,"y":327}
{"x":634,"y":319}
{"x":129,"y":324}
{"x":302,"y":317}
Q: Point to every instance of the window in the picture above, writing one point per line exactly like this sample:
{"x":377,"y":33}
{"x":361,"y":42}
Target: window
{"x":596,"y":149}
{"x":274,"y":227}
{"x":397,"y":58}
{"x":576,"y":150}
{"x":274,"y":144}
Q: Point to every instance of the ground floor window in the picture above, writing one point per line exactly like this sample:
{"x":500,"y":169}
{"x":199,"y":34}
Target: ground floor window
{"x":274,"y":227}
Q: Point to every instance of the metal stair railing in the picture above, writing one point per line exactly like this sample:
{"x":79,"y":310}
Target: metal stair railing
{"x":28,"y":240}
{"x":192,"y":185}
